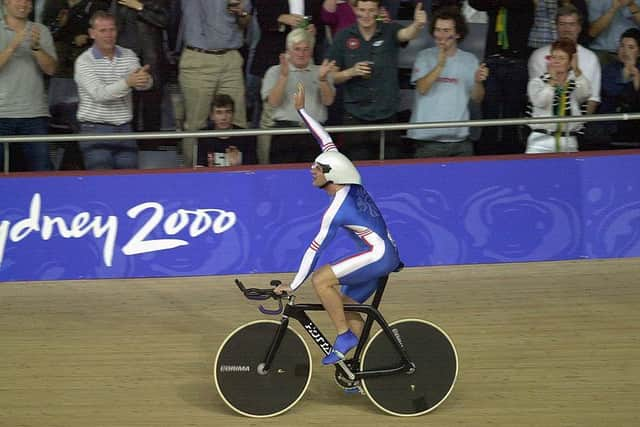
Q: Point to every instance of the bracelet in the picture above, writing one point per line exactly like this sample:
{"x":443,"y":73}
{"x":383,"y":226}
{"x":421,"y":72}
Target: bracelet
{"x":322,"y":80}
{"x":35,"y":49}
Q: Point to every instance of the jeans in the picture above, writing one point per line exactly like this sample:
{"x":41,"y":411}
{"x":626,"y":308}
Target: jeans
{"x":35,"y":154}
{"x":122,"y":154}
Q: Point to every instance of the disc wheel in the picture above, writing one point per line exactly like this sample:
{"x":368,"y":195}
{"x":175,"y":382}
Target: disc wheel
{"x":241,"y":380}
{"x":436,"y":368}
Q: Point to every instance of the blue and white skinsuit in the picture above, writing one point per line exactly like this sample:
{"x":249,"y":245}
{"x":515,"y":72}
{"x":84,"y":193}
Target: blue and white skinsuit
{"x":354,"y":210}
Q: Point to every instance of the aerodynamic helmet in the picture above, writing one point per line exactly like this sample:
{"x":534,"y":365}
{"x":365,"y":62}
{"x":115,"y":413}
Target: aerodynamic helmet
{"x":338,"y":168}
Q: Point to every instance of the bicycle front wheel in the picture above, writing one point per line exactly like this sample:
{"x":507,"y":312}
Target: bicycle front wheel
{"x":411,"y":394}
{"x":242,"y":383}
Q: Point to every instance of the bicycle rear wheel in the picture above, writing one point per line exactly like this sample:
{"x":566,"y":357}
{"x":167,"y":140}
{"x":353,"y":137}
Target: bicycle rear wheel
{"x":245,"y":387}
{"x":435,"y":359}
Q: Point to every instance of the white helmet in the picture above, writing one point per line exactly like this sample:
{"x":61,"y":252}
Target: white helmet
{"x":338,"y":168}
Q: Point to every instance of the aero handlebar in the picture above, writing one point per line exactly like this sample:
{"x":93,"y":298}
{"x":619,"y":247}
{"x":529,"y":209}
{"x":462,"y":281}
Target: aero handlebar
{"x":263,"y":294}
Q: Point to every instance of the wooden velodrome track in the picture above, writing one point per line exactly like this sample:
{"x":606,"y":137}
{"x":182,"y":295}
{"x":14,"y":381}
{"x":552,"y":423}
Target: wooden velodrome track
{"x":545,"y":344}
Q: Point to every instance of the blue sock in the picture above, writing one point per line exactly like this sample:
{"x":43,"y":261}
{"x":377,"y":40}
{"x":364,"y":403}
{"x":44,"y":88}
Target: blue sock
{"x":344,"y":342}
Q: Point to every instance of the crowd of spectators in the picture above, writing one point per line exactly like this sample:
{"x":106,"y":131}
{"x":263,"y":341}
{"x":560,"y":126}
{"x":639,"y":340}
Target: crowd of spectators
{"x":104,"y":66}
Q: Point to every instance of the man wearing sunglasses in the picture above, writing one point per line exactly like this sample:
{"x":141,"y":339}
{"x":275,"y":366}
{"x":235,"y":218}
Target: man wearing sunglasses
{"x":352,"y":279}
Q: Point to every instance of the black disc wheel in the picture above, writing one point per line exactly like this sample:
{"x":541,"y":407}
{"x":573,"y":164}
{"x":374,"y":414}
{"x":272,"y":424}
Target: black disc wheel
{"x":239,"y":372}
{"x":419,"y":392}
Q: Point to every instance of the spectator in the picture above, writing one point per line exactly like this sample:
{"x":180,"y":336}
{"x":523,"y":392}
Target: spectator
{"x":448,"y":77}
{"x":210,"y":62}
{"x":27,"y":53}
{"x":338,"y":14}
{"x":609,"y":19}
{"x":621,"y":88}
{"x":583,"y":11}
{"x":278,"y":90}
{"x":560,"y":92}
{"x":141,"y":26}
{"x":543,"y":29}
{"x":506,"y":55}
{"x":276,"y":19}
{"x":105,"y":75}
{"x":367,"y":56}
{"x":68,"y":21}
{"x":225,"y":150}
{"x":569,"y":23}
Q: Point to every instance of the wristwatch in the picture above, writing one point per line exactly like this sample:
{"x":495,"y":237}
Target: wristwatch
{"x":244,"y":14}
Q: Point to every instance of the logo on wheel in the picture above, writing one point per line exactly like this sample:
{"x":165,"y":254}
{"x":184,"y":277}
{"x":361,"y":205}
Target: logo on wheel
{"x":235,"y":368}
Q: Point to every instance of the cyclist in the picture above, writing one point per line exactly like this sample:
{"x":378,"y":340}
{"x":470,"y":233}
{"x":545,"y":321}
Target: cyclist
{"x":352,"y":279}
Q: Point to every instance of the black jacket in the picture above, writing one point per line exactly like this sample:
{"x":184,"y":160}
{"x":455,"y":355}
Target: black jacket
{"x":272,"y":40}
{"x":143,"y":32}
{"x":519,"y":21}
{"x":76,"y":23}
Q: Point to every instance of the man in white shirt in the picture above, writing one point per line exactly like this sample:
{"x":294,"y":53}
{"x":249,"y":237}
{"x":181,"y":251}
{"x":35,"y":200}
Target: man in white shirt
{"x":569,"y":24}
{"x":278,"y":89}
{"x":105,"y":74}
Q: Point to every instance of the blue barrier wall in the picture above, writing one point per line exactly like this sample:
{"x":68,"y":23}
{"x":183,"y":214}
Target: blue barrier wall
{"x":234,"y":222}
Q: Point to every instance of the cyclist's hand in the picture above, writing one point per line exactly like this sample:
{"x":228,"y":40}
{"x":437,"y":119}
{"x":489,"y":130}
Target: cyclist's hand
{"x":298,"y":97}
{"x":280,"y":289}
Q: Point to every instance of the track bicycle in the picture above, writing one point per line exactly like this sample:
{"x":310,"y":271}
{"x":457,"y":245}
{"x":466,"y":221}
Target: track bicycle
{"x":263,"y":368}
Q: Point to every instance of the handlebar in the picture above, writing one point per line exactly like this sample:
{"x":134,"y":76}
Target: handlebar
{"x":263,"y":294}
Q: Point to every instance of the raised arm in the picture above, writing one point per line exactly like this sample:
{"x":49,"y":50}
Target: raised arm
{"x":419,"y":21}
{"x":318,"y":132}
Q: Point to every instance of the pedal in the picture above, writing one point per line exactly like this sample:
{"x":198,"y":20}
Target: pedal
{"x":354,"y":390}
{"x":347,"y":385}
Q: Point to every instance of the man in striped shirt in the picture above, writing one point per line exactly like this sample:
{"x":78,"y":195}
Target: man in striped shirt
{"x":106,"y":74}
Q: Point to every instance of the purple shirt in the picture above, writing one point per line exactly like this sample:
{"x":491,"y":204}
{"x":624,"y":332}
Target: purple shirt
{"x":343,"y":17}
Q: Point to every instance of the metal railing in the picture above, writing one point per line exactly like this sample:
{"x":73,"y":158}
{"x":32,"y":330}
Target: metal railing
{"x":7,"y":140}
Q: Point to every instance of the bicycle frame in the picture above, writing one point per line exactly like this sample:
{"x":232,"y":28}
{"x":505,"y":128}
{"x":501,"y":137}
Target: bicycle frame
{"x":299,"y":313}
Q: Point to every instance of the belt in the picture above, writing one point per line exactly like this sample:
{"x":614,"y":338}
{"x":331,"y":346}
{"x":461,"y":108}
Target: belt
{"x":210,"y":52}
{"x":552,"y":132}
